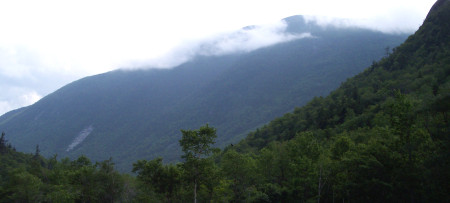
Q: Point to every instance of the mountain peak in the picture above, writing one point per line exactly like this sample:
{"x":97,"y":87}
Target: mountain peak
{"x":438,"y":6}
{"x":439,"y":13}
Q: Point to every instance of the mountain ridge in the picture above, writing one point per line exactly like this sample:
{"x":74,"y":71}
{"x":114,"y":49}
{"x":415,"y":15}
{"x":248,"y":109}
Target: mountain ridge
{"x":139,"y":113}
{"x":420,"y":50}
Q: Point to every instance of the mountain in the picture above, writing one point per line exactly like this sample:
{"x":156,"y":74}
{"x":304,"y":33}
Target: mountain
{"x":382,"y":136}
{"x":130,"y":115}
{"x":419,"y":67}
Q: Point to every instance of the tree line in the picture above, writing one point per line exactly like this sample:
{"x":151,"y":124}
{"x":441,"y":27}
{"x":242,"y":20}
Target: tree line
{"x":383,"y":136}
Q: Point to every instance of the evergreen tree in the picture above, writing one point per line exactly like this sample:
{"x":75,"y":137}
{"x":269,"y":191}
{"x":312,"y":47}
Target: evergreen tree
{"x":3,"y":143}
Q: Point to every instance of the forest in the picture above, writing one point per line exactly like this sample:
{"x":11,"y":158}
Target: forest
{"x":382,"y":136}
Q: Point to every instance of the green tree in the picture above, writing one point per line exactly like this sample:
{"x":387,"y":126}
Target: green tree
{"x":272,"y":165}
{"x":208,"y":190}
{"x":3,"y":143}
{"x":340,"y":146}
{"x":196,"y":145}
{"x":305,"y":175}
{"x":240,"y":169}
{"x":112,"y":186}
{"x":24,"y":187}
{"x":84,"y":180}
{"x":162,"y":179}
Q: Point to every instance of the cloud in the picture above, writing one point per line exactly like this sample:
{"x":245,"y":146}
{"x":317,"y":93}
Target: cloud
{"x":46,"y":44}
{"x":386,"y":16}
{"x":244,"y":40}
{"x":16,"y":97}
{"x":24,"y":78}
{"x":27,"y":73}
{"x":249,"y":39}
{"x":385,"y":24}
{"x":16,"y":62}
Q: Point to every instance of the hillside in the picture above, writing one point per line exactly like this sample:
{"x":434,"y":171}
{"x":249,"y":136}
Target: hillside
{"x":130,"y":115}
{"x":418,"y":68}
{"x":382,"y":136}
{"x":33,"y":178}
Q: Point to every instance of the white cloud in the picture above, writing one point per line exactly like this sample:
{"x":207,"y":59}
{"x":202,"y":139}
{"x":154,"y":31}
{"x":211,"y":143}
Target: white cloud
{"x":243,"y":40}
{"x":30,"y":98}
{"x":16,"y":62}
{"x":89,"y":37}
{"x":5,"y":107}
{"x":48,"y":43}
{"x":16,"y":97}
{"x":401,"y":16}
{"x":249,"y":39}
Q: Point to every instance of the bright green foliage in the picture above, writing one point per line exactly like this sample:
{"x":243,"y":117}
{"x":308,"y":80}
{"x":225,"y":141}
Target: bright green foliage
{"x":196,"y":145}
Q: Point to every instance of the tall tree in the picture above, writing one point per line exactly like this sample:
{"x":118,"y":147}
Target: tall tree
{"x":196,"y":145}
{"x":2,"y":143}
{"x":37,"y":152}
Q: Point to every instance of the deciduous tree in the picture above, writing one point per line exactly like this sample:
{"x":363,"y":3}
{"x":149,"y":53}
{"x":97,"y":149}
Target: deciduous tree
{"x":197,"y":145}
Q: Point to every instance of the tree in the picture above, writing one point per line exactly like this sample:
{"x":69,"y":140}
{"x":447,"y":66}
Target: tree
{"x":113,"y":183}
{"x":2,"y":143}
{"x":240,"y":169}
{"x":387,"y":51}
{"x":23,"y":186}
{"x":36,"y":163}
{"x":196,"y":145}
{"x":162,"y":179}
{"x":37,"y":152}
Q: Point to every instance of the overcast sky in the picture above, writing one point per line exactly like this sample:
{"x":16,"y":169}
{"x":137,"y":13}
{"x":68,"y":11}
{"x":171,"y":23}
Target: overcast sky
{"x":47,"y":44}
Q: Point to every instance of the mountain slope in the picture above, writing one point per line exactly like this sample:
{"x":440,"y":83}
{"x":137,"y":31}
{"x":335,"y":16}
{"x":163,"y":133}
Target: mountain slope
{"x":420,"y":66}
{"x":382,"y":136}
{"x":132,"y":115}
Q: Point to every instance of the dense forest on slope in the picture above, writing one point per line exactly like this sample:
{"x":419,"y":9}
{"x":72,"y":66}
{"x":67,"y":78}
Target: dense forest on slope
{"x":131,"y":115}
{"x":33,"y":178}
{"x":383,"y":136}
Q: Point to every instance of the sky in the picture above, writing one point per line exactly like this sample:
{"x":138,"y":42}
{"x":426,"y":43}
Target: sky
{"x":47,"y":44}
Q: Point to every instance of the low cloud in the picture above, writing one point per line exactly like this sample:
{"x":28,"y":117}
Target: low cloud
{"x":395,"y":20}
{"x":249,"y":39}
{"x":244,"y":40}
{"x":26,"y":74}
{"x":48,"y":44}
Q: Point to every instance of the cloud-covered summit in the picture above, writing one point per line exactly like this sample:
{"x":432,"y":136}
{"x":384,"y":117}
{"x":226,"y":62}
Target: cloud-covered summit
{"x":249,"y":39}
{"x":243,"y":40}
{"x":46,"y":44}
{"x":27,"y":76}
